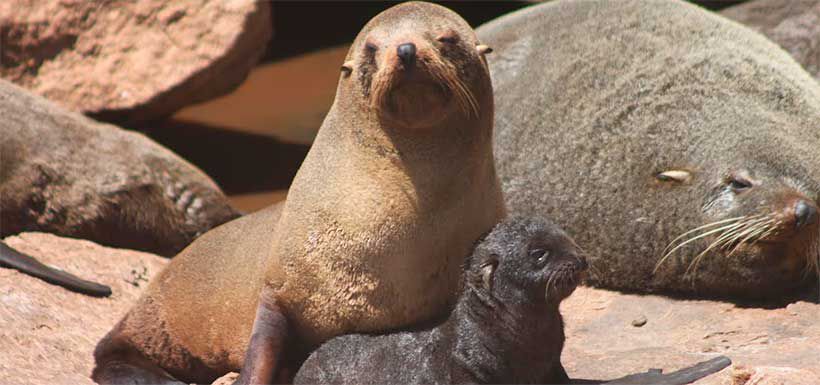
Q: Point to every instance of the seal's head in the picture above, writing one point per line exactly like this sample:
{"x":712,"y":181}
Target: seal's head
{"x":758,"y":221}
{"x":416,"y":64}
{"x":525,"y":261}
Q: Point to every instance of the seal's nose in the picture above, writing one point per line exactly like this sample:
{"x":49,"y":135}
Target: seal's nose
{"x":804,"y":213}
{"x":406,"y":52}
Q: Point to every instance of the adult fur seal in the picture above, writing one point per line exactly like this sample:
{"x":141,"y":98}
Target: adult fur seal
{"x":678,"y":147}
{"x":505,"y":328}
{"x":65,"y":174}
{"x":397,"y":187}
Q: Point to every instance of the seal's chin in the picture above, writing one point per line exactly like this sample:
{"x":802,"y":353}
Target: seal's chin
{"x":562,"y":283}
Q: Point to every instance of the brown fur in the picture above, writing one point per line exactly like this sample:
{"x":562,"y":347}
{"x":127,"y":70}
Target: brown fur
{"x":598,"y":100}
{"x":63,"y":173}
{"x":376,"y":225}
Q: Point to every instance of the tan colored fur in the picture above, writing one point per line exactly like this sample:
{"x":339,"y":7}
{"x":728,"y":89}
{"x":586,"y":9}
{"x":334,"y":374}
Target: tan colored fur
{"x":371,"y":237}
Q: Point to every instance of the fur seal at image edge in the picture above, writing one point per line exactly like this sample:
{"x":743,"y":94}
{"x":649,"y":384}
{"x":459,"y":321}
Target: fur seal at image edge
{"x":395,"y":191}
{"x":680,"y":148}
{"x":65,"y":174}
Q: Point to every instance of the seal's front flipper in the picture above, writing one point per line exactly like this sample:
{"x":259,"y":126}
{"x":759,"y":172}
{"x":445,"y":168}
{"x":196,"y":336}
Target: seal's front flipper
{"x":28,"y":265}
{"x":270,"y":330}
{"x":680,"y":377}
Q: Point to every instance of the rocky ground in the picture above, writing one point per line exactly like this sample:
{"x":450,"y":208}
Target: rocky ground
{"x":49,"y":333}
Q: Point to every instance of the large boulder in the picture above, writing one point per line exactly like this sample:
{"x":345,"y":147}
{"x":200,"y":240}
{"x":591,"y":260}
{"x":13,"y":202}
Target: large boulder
{"x":63,"y":173}
{"x":131,"y":61}
{"x":794,"y":24}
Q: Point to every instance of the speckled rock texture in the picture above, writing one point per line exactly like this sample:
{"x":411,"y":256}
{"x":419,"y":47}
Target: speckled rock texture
{"x":129,"y":62}
{"x":767,"y":345}
{"x":794,"y":24}
{"x":47,"y":333}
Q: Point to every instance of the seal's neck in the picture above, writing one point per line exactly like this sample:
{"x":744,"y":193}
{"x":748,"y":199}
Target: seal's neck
{"x":498,"y":342}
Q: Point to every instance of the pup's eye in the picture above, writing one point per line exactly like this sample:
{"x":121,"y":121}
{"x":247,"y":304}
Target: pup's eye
{"x":540,"y":255}
{"x":739,"y":183}
{"x":370,"y":47}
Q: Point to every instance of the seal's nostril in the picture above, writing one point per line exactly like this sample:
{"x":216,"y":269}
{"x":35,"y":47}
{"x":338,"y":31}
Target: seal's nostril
{"x":804,"y":213}
{"x":406,"y":52}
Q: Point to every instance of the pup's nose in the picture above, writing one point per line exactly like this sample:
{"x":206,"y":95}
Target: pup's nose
{"x":406,"y":52}
{"x":805,"y":213}
{"x":582,"y":262}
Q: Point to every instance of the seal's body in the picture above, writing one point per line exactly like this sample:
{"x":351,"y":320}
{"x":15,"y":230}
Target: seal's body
{"x":505,"y":328}
{"x":632,"y":123}
{"x":397,"y":187}
{"x":65,"y":174}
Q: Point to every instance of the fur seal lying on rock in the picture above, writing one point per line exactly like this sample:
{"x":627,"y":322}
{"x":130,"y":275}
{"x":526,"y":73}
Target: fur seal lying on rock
{"x":65,"y":174}
{"x":505,"y":328}
{"x":398,"y":186}
{"x":678,"y":147}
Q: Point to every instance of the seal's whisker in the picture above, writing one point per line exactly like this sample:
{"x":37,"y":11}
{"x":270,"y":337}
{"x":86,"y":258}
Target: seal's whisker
{"x":737,"y":231}
{"x":690,"y":240}
{"x":754,"y":235}
{"x":701,"y":228}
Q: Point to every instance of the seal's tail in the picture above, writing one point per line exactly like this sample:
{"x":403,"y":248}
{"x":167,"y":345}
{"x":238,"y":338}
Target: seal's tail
{"x":28,"y":265}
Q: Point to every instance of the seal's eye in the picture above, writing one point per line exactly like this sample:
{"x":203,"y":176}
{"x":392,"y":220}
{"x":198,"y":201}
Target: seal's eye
{"x":449,"y":38}
{"x":540,"y":256}
{"x":370,"y":48}
{"x":739,"y":183}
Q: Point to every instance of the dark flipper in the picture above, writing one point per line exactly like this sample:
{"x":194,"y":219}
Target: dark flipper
{"x":680,"y":377}
{"x":28,"y":265}
{"x":270,"y":329}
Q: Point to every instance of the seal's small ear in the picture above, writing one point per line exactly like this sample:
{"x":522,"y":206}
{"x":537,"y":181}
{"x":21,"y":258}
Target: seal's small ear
{"x":680,"y":176}
{"x":483,"y":49}
{"x":488,"y":273}
{"x":347,"y":68}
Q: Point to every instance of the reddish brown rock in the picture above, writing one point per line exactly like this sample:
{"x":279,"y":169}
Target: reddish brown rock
{"x":794,"y":24}
{"x":128,"y":61}
{"x":603,"y":343}
{"x":47,"y":333}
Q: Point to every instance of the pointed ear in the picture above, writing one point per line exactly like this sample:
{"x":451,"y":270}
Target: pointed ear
{"x":680,"y":176}
{"x":488,"y":274}
{"x":483,"y":49}
{"x":347,"y":68}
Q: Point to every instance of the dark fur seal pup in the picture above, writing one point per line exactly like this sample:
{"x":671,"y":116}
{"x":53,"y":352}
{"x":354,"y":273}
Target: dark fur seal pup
{"x":65,"y":174}
{"x":505,"y":328}
{"x":396,"y":189}
{"x":679,"y":147}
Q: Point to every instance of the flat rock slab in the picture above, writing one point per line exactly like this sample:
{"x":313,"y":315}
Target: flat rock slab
{"x":47,"y":333}
{"x":793,"y":24}
{"x":127,"y":61}
{"x":610,"y":335}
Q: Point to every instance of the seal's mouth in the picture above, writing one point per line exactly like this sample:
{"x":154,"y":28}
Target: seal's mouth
{"x":763,"y":239}
{"x":421,"y":92}
{"x":562,"y":280}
